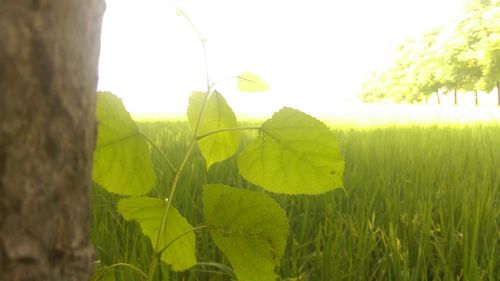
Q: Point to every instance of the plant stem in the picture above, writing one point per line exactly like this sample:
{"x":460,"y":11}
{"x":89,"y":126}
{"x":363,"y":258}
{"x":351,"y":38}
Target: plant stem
{"x":161,"y":233}
{"x":228,"y":130}
{"x":133,"y":267}
{"x":152,"y":267}
{"x":230,"y":78}
{"x":180,"y":236}
{"x":163,"y":155}
{"x":178,"y":172}
{"x":226,"y":270}
{"x":206,"y":65}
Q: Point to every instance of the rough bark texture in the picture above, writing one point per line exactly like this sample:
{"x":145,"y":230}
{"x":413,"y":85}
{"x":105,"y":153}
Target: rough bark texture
{"x":49,"y":53}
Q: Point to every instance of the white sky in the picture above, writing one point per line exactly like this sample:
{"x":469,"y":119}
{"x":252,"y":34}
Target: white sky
{"x":313,"y":53}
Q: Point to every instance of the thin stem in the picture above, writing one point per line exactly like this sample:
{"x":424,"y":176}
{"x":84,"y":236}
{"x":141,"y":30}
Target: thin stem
{"x":200,"y":37}
{"x":180,"y":236}
{"x":222,"y":80}
{"x":163,"y":155}
{"x":178,"y":172}
{"x":225,"y":269}
{"x":215,"y":264}
{"x":152,"y":268}
{"x":229,"y":130}
{"x":154,"y":261}
{"x":206,"y":64}
{"x":229,"y":78}
{"x":133,"y":267}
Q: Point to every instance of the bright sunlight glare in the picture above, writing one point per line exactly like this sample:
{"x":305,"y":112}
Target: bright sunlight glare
{"x":314,"y":54}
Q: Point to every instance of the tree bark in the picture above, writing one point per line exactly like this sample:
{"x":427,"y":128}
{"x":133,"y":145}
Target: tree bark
{"x":455,"y":97}
{"x":438,"y":98}
{"x":49,"y":53}
{"x":476,"y":98}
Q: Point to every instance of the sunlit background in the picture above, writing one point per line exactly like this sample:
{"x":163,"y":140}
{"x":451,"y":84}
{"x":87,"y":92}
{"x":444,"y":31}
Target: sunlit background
{"x":314,"y":54}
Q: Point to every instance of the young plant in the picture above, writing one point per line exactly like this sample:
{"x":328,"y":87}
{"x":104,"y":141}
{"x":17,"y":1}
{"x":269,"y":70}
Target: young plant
{"x":293,"y":153}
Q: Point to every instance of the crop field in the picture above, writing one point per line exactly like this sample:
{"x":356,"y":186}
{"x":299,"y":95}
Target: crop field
{"x":418,"y":203}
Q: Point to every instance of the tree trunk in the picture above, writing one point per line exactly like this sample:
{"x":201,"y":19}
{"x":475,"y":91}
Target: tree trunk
{"x":455,"y":97}
{"x":438,"y":98}
{"x":49,"y":53}
{"x":476,"y":98}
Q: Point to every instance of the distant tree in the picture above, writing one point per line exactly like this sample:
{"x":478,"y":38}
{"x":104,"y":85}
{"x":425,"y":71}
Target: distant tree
{"x":462,"y":68}
{"x":403,"y":72}
{"x":490,"y":46}
{"x":413,"y":76}
{"x":373,"y":89}
{"x":473,"y":50}
{"x":463,"y":57}
{"x":428,"y":74}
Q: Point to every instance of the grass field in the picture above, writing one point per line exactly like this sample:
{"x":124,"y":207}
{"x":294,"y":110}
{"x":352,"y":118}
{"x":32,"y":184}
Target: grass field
{"x":419,"y":203}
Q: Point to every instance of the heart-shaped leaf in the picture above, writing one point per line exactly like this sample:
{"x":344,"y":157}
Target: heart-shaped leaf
{"x":148,"y":212}
{"x":249,"y":227}
{"x":294,"y":154}
{"x":122,"y":160}
{"x":251,"y":83}
{"x":218,"y":115}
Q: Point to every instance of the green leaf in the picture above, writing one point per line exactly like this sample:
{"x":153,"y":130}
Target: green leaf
{"x":249,"y":227}
{"x":148,"y":212}
{"x":249,"y":82}
{"x":218,"y":115}
{"x":294,"y":154}
{"x":122,"y":160}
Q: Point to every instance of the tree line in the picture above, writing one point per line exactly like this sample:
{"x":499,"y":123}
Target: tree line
{"x":458,"y":58}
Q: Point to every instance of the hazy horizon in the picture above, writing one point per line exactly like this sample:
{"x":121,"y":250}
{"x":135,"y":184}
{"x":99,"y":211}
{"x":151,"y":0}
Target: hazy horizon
{"x":314,"y":54}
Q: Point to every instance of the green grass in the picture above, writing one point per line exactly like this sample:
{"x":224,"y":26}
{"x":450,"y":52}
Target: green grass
{"x":420,"y":203}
